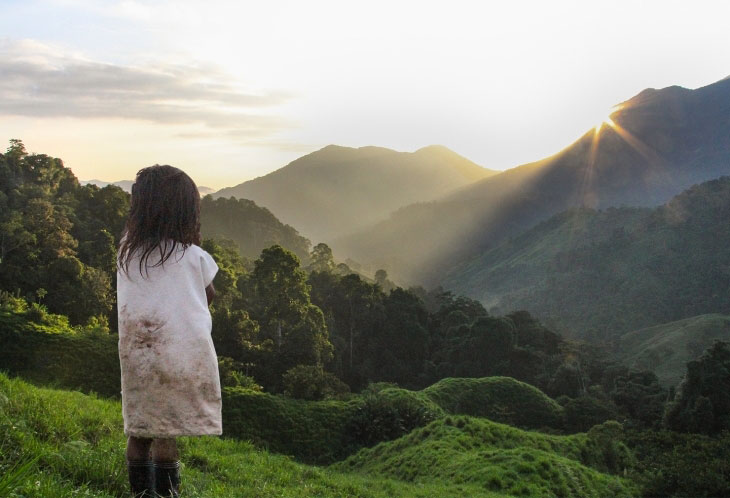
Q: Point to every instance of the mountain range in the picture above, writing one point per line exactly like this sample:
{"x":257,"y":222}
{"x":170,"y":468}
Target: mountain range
{"x":651,"y":147}
{"x":338,"y":190}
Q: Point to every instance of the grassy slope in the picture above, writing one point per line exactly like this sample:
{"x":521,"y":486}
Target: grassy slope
{"x":80,"y":446}
{"x":502,"y":399}
{"x":667,"y":348}
{"x":493,"y":456}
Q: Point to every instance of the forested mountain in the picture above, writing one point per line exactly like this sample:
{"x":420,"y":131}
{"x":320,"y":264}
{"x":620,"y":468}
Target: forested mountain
{"x":251,"y":227}
{"x":597,"y":274}
{"x":654,"y":146}
{"x":337,"y":190}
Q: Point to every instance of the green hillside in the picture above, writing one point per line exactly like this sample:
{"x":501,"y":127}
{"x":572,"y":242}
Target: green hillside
{"x":600,"y":274}
{"x":501,"y":458}
{"x":662,"y":142}
{"x":251,"y":227}
{"x":502,"y":399}
{"x":336,"y":190}
{"x":666,"y":349}
{"x":79,"y":446}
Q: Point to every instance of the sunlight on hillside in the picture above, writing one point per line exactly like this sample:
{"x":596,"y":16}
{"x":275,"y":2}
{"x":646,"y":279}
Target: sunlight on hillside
{"x":606,"y":120}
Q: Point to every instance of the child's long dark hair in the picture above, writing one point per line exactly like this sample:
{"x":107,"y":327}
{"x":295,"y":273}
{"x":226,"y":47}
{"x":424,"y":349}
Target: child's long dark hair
{"x":164,"y":212}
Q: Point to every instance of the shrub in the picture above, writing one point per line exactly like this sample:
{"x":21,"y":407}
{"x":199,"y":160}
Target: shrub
{"x":389,"y":414}
{"x":580,"y":414}
{"x":312,"y":382}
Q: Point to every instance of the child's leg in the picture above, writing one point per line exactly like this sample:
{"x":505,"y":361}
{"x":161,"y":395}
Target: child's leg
{"x":139,"y":466}
{"x":165,"y":450}
{"x":167,"y":467}
{"x":138,"y":448}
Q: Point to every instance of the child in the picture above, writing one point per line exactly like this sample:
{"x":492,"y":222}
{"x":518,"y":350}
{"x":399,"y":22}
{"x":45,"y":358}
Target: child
{"x":170,"y":384}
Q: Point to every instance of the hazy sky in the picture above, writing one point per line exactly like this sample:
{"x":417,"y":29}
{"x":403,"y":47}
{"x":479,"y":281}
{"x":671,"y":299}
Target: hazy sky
{"x":232,"y":90}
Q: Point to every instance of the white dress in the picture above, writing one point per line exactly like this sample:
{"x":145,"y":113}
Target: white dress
{"x":170,"y":383}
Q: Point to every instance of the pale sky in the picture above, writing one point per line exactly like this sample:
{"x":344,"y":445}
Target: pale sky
{"x":229,"y":91}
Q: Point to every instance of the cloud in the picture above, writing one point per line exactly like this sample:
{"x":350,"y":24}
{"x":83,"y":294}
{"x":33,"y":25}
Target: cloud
{"x":41,"y":81}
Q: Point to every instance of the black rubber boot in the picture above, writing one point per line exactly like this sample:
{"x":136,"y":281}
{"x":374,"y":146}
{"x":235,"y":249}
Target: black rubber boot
{"x":141,"y":478}
{"x":167,"y":479}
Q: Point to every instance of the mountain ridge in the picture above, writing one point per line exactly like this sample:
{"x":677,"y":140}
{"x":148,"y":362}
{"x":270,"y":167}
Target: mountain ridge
{"x":336,"y":190}
{"x":656,"y":144}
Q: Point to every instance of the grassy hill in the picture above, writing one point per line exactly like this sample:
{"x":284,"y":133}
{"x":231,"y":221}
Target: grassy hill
{"x":79,"y":446}
{"x":600,"y":274}
{"x":501,"y":458}
{"x":337,"y":190}
{"x":661,"y":142}
{"x":502,"y":399}
{"x":666,"y":349}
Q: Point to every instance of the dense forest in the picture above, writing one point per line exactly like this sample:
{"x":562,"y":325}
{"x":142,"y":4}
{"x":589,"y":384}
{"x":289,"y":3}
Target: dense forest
{"x":319,"y":362}
{"x":598,"y":274}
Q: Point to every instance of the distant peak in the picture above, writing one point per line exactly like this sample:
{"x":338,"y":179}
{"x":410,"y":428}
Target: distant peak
{"x":434,"y":149}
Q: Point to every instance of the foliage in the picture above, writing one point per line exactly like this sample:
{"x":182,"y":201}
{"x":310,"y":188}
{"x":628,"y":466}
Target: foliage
{"x":250,"y":227}
{"x":231,"y":375}
{"x":292,"y":329}
{"x":640,"y":397}
{"x":389,"y":414}
{"x":674,"y":464}
{"x":312,"y":431}
{"x":702,"y":404}
{"x":43,"y":348}
{"x":52,"y":245}
{"x":311,"y":382}
{"x":599,"y":274}
{"x":584,"y":412}
{"x":501,"y":399}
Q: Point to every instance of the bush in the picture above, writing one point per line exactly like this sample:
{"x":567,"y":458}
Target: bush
{"x":231,"y":375}
{"x":49,"y":351}
{"x":311,"y":431}
{"x":702,"y":404}
{"x":312,"y":383}
{"x":580,"y":414}
{"x":390,"y":414}
{"x":675,"y":464}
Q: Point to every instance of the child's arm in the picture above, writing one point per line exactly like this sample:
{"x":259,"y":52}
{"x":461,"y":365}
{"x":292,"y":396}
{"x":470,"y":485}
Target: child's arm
{"x":210,"y":293}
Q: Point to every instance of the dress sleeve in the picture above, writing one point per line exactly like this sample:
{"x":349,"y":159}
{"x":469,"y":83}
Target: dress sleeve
{"x":208,"y":266}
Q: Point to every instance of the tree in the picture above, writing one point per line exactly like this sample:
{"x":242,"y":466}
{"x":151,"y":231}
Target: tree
{"x":702,"y":403}
{"x":322,"y":259}
{"x":277,"y":295}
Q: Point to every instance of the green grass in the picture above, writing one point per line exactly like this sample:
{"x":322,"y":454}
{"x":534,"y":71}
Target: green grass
{"x":502,"y":399}
{"x":665,"y":349}
{"x":500,"y":458}
{"x":78,"y":442}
